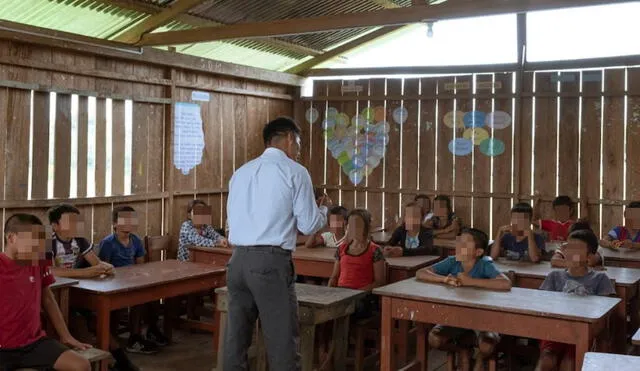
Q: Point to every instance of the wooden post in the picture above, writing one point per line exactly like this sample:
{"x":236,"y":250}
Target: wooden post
{"x":168,"y":153}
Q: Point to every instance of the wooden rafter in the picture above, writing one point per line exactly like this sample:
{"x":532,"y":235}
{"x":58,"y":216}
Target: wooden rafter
{"x":365,"y":39}
{"x":134,"y":34}
{"x":386,"y":17}
{"x":197,"y":21}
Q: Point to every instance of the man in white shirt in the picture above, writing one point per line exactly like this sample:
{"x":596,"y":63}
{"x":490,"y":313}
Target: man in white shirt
{"x":270,"y":199}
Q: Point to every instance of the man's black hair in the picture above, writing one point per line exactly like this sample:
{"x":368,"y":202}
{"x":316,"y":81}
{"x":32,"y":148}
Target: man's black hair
{"x":279,"y":127}
{"x":634,"y":205}
{"x":56,"y":212}
{"x":562,"y":200}
{"x":587,"y":236}
{"x":340,"y":211}
{"x":120,"y":209}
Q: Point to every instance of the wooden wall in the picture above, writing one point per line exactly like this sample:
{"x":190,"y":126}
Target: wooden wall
{"x":232,"y":121}
{"x":575,"y":133}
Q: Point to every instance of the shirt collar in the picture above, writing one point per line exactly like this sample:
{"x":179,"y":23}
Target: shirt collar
{"x":274,"y":152}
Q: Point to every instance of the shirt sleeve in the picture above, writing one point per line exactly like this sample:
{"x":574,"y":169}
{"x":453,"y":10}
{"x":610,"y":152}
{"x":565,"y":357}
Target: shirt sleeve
{"x":377,"y":254}
{"x":211,"y":233}
{"x":545,"y":225}
{"x":190,"y":236}
{"x":47,"y":276}
{"x":443,"y":268}
{"x":84,"y":245}
{"x":540,"y":241}
{"x":613,"y":233}
{"x":139,"y":248}
{"x":105,"y":251}
{"x":605,"y":287}
{"x":309,"y":217}
{"x":397,"y":237}
{"x":549,"y":282}
{"x":490,"y":271}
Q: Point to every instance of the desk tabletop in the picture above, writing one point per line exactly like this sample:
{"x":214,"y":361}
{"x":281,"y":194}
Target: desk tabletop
{"x":62,"y":282}
{"x":319,"y":296}
{"x":141,"y":276}
{"x":412,"y":262}
{"x":620,"y":254}
{"x":606,"y":361}
{"x":382,"y":237}
{"x":523,"y":301}
{"x":622,"y":276}
{"x":320,"y":254}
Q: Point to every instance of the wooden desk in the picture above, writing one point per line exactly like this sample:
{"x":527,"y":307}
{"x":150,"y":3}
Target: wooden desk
{"x":383,"y":237}
{"x":537,"y":314}
{"x":60,"y":290}
{"x":316,"y":305}
{"x":621,"y":258}
{"x":627,"y":282}
{"x":605,"y":361}
{"x":142,"y":283}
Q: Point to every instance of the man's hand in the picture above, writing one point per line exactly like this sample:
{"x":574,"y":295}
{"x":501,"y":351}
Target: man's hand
{"x":75,"y":344}
{"x":224,"y":243}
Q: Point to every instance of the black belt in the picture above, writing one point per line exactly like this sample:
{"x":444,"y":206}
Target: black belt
{"x":264,"y":248}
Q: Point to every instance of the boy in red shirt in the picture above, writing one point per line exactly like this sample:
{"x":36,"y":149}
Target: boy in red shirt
{"x":25,"y":277}
{"x":557,"y":229}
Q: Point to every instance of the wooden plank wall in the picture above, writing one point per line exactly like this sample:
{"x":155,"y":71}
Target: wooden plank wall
{"x":233,"y":119}
{"x":569,"y":136}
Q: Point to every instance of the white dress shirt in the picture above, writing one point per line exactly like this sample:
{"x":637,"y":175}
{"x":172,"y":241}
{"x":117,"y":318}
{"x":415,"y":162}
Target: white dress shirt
{"x":270,"y":199}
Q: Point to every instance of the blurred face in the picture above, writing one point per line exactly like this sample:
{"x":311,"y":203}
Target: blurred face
{"x":29,"y":243}
{"x":336,"y":224}
{"x":70,"y":225}
{"x":632,"y":218}
{"x":356,"y":228}
{"x":201,"y":215}
{"x":440,"y":209}
{"x":519,"y":223}
{"x":576,"y":253}
{"x":466,"y":248}
{"x":412,"y":217}
{"x":563,"y":212}
{"x":127,"y":222}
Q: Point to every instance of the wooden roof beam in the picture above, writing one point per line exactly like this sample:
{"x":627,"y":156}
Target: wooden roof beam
{"x":151,"y":23}
{"x":386,"y":17}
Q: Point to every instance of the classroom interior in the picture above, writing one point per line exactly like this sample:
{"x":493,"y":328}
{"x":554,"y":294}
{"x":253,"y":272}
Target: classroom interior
{"x":99,"y":100}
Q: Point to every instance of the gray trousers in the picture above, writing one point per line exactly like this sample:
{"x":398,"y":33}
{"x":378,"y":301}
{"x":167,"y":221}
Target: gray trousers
{"x":261,"y":282}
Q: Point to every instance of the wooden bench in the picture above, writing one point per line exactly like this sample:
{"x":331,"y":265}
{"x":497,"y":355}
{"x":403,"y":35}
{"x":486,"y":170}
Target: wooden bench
{"x":93,"y":355}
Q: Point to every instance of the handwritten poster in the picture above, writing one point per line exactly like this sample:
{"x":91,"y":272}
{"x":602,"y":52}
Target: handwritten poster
{"x":188,"y":137}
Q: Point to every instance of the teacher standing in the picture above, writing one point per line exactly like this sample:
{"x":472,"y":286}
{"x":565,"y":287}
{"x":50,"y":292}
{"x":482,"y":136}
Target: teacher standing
{"x":270,"y":199}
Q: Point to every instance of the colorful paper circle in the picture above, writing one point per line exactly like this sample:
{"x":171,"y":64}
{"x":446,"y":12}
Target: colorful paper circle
{"x":460,"y":147}
{"x":378,"y":113}
{"x":492,"y":147}
{"x":474,"y":119}
{"x":356,"y":176}
{"x":400,"y":115}
{"x":328,"y":123}
{"x":368,"y":113}
{"x":358,"y":121}
{"x":498,"y":120}
{"x":454,"y":118}
{"x":311,"y":115}
{"x":332,"y":112}
{"x":342,"y":119}
{"x":476,"y":135}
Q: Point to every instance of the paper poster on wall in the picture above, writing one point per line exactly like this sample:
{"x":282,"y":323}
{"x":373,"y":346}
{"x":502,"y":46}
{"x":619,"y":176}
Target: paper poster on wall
{"x":188,"y":137}
{"x":461,"y":147}
{"x":201,"y":96}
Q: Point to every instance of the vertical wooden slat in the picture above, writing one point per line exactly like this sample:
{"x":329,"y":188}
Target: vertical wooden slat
{"x":525,"y":138}
{"x":102,"y":222}
{"x":445,"y":135}
{"x":4,"y":119}
{"x":502,"y":175}
{"x":140,"y":143}
{"x":228,"y":136}
{"x":299,"y":114}
{"x":392,"y":158}
{"x":544,"y":176}
{"x":569,"y":136}
{"x":463,"y":164}
{"x":410,"y":132}
{"x":361,"y":195}
{"x":40,"y":151}
{"x":209,"y":170}
{"x":117,"y":147}
{"x":428,"y":119}
{"x":333,"y":169}
{"x":62,"y":162}
{"x":350,"y":108}
{"x":240,"y":125}
{"x":316,"y":153}
{"x":101,"y":154}
{"x":375,"y":179}
{"x":155,"y":156}
{"x":482,"y":169}
{"x":633,"y":134}
{"x":590,"y":144}
{"x":17,"y":146}
{"x":613,"y":155}
{"x":83,"y":128}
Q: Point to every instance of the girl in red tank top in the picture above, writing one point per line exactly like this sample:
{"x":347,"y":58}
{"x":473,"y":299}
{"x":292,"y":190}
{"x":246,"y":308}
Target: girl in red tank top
{"x":359,"y":262}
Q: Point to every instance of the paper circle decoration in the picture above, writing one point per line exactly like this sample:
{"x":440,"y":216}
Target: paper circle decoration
{"x":474,"y":119}
{"x":332,"y":112}
{"x":358,"y":121}
{"x":378,"y":113}
{"x":476,"y":135}
{"x":311,"y":115}
{"x":498,"y":120}
{"x":356,"y":176}
{"x":342,"y":119}
{"x":460,"y":147}
{"x":400,"y":115}
{"x":492,"y":147}
{"x":454,"y":118}
{"x":328,"y":123}
{"x":368,"y":113}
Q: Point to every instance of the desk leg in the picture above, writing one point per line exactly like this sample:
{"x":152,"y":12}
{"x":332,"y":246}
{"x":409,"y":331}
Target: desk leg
{"x":387,"y":359}
{"x":307,"y":343}
{"x":169,"y":316}
{"x":620,"y":321}
{"x":422,"y":351}
{"x":102,"y":328}
{"x":341,"y":343}
{"x":403,"y":342}
{"x":220,"y":350}
{"x":585,"y":339}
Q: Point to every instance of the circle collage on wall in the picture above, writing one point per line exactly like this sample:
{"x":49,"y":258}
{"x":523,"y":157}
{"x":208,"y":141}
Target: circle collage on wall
{"x":477,"y":125}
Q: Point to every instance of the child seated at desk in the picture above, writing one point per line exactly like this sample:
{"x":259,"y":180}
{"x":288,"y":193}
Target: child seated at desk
{"x":596,"y":260}
{"x":444,"y":222}
{"x":197,"y":230}
{"x":411,"y":237}
{"x":359,"y":262}
{"x":469,"y":267}
{"x":518,"y":241}
{"x":74,"y":257}
{"x":577,"y":279}
{"x":25,"y":277}
{"x":123,"y":248}
{"x":334,"y":236}
{"x":557,"y":229}
{"x":628,"y":235}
